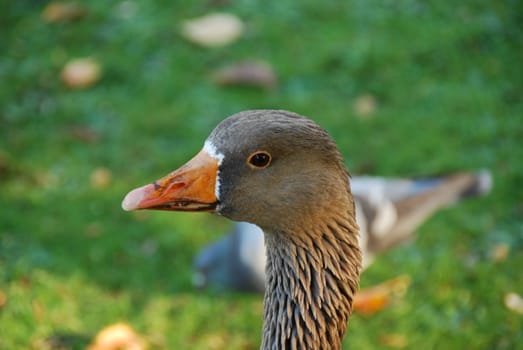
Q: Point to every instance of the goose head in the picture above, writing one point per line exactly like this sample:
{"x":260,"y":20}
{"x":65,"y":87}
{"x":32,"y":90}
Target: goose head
{"x":284,"y":173}
{"x":271,"y":168}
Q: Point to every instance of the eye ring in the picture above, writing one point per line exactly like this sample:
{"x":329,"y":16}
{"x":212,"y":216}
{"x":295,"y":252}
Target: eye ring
{"x":259,"y":160}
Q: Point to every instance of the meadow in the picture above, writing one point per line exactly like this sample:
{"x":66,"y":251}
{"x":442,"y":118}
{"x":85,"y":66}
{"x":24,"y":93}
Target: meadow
{"x":406,"y":88}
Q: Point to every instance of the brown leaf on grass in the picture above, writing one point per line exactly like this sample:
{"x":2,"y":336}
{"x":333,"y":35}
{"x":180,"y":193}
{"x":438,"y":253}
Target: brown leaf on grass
{"x":3,"y":299}
{"x":247,"y":73}
{"x":371,"y":300}
{"x":213,"y":30}
{"x":499,"y":252}
{"x":83,"y":133}
{"x":364,"y":106}
{"x":394,"y":340}
{"x":62,"y":11}
{"x":101,"y":177}
{"x":81,"y":73}
{"x":119,"y":336}
{"x":514,"y":302}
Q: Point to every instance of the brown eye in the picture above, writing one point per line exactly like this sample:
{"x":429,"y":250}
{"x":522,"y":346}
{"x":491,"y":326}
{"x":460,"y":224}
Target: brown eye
{"x":260,"y":159}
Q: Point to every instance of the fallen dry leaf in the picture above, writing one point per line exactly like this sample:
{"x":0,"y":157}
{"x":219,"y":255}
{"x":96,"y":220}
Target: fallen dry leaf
{"x":81,"y":73}
{"x":394,"y":340}
{"x":365,"y":105}
{"x":369,"y":301}
{"x":514,"y":302}
{"x":3,"y":299}
{"x":248,"y":73}
{"x":213,"y":30}
{"x":84,"y":133}
{"x":58,"y":11}
{"x":376,"y":298}
{"x":119,"y":336}
{"x":101,"y":177}
{"x":499,"y":252}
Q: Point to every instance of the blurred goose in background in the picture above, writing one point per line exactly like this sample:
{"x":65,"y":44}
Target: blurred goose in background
{"x":285,"y":174}
{"x":388,"y":211}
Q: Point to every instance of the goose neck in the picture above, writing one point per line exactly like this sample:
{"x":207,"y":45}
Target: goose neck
{"x":311,"y":280}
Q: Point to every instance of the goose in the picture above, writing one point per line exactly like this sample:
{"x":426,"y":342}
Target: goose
{"x":284,"y":173}
{"x":388,"y":211}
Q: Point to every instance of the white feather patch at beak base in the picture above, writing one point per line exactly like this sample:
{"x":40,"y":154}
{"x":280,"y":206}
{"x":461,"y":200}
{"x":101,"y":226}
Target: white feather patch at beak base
{"x":211,"y":150}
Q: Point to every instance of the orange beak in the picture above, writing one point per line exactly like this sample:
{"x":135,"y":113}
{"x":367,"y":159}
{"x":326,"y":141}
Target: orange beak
{"x":190,"y":188}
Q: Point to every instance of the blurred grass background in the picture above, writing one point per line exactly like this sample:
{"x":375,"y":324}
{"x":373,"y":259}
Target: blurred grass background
{"x":447,"y":81}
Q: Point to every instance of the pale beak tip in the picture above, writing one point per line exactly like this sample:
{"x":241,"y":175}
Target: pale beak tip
{"x":133,"y":199}
{"x":130,"y":201}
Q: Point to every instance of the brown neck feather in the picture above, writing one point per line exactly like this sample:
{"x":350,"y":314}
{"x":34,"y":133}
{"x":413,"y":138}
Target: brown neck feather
{"x":311,"y":280}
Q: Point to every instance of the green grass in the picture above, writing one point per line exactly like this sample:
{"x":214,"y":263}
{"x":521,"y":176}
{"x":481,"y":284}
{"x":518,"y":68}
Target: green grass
{"x":448,"y":80}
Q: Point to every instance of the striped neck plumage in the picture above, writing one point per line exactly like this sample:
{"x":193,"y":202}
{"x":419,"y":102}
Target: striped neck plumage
{"x":311,"y":281}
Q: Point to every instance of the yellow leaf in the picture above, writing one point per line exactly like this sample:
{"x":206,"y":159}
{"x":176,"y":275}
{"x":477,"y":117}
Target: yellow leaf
{"x":59,"y":11}
{"x":499,"y":252}
{"x":514,"y":302}
{"x":364,"y":106}
{"x":376,"y":298}
{"x":394,"y":340}
{"x":81,"y":73}
{"x":119,"y":336}
{"x":101,"y":177}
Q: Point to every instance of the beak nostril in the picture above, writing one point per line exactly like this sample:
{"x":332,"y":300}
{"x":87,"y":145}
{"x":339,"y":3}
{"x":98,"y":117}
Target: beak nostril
{"x":175,"y":185}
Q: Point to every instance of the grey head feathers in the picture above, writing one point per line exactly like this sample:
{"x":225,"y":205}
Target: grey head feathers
{"x":305,"y":177}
